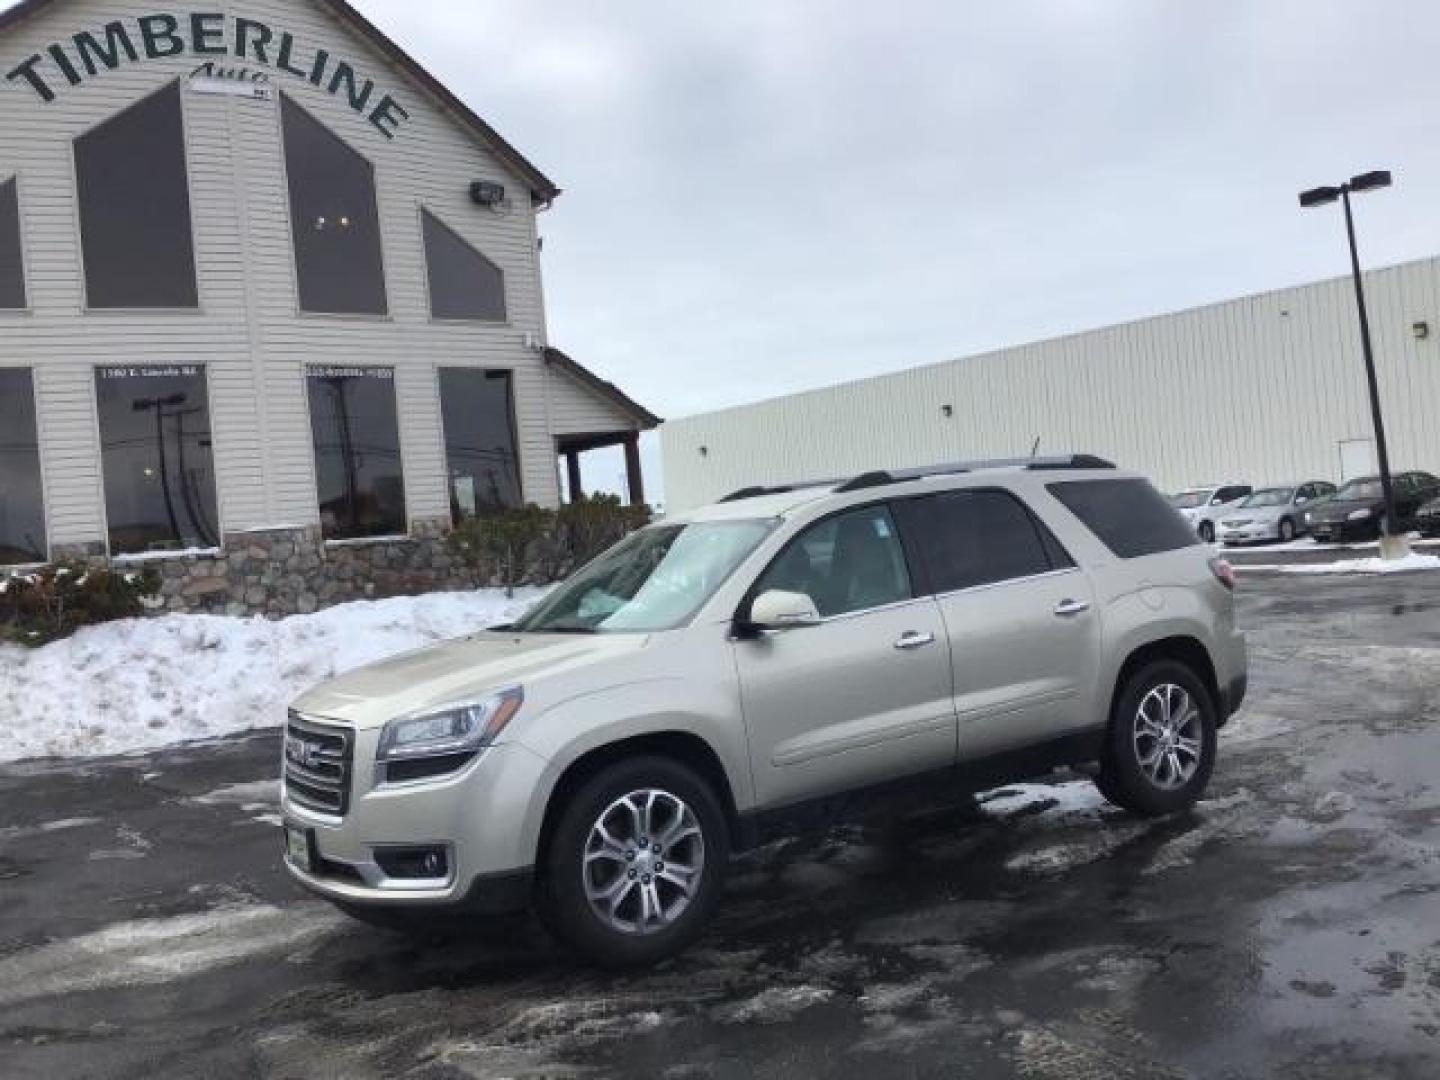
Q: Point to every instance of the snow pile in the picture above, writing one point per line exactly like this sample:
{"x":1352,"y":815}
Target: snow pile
{"x":1373,"y":565}
{"x":142,"y":683}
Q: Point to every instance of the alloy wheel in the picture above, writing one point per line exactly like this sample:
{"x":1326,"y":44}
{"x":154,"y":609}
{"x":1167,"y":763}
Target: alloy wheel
{"x":1168,"y":736}
{"x":643,"y":861}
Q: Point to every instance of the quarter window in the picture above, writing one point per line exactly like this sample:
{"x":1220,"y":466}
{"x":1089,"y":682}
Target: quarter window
{"x":464,"y":284}
{"x":134,"y":199}
{"x":972,"y":538}
{"x":22,"y":509}
{"x":12,"y":263}
{"x":479,"y":440}
{"x":1130,"y":517}
{"x":155,"y":449}
{"x":333,"y":219}
{"x":849,"y":562}
{"x":356,"y":432}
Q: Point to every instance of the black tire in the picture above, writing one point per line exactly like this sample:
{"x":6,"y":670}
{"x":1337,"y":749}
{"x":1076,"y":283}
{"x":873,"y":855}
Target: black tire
{"x":1122,"y":779}
{"x":1287,"y":530}
{"x":1207,"y":532}
{"x":563,"y":902}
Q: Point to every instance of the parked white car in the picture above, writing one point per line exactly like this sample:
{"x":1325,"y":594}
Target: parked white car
{"x":1205,"y":505}
{"x":1273,"y":513}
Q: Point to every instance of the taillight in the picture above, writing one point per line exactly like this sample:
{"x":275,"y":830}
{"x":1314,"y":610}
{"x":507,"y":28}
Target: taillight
{"x":1224,"y":572}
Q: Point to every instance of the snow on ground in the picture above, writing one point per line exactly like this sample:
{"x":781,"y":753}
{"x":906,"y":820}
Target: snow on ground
{"x":1373,"y":565}
{"x":142,"y":683}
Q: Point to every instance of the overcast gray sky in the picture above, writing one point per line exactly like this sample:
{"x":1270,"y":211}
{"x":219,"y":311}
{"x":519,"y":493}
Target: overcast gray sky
{"x":767,"y":195}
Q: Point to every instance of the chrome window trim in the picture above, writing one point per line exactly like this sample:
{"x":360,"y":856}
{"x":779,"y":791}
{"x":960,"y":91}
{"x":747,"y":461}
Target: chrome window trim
{"x":989,"y":585}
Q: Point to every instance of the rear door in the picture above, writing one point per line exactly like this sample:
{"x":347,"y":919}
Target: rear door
{"x":866,"y":695}
{"x":1024,"y":634}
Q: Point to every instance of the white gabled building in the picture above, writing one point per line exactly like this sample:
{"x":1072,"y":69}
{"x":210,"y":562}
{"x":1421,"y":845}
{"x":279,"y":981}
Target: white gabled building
{"x":1265,"y":389}
{"x":265,"y":282}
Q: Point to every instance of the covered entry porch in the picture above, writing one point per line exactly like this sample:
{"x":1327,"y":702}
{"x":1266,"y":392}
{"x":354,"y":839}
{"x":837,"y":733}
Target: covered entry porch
{"x":589,"y":414}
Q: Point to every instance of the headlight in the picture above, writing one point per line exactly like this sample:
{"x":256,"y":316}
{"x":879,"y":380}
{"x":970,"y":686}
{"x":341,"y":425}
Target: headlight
{"x":1358,"y":515}
{"x":458,"y":729}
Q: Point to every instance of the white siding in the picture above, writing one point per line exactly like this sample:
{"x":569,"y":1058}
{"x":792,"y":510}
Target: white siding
{"x":248,"y":330}
{"x":1263,"y":388}
{"x":575,"y":409}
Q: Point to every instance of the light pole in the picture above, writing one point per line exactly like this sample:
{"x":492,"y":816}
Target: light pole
{"x":1391,"y":546}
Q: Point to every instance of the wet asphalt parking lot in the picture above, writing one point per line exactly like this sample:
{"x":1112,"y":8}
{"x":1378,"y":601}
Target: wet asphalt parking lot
{"x":1288,"y":927}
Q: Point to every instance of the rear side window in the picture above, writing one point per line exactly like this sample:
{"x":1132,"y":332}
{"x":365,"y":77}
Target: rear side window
{"x":970,"y":538}
{"x":1230,"y":494}
{"x":1130,"y":517}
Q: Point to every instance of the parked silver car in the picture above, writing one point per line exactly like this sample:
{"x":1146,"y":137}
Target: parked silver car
{"x":1205,"y":505}
{"x":1273,"y":513}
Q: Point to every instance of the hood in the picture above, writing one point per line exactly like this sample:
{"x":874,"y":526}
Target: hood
{"x":465,"y":669}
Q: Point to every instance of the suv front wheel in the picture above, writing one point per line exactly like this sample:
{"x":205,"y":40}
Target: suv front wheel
{"x":636,"y":863}
{"x":1160,"y":749}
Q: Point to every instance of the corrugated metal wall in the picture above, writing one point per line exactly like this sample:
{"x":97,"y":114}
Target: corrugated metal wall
{"x":1263,"y":388}
{"x":248,"y":331}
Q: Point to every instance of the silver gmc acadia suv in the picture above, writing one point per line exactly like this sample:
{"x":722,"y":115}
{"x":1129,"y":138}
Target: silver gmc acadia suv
{"x":725,"y":676}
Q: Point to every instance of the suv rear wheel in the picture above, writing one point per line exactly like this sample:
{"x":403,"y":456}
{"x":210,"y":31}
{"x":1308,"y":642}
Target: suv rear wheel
{"x":636,"y":863}
{"x":1160,"y":749}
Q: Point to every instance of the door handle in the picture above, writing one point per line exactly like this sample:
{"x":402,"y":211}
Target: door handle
{"x":914,"y":640}
{"x":1066,"y":608}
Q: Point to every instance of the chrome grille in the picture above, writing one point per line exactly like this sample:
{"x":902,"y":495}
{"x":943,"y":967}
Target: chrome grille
{"x":318,"y":760}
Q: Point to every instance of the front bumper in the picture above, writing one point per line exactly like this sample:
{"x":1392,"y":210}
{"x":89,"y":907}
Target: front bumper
{"x":476,"y":816}
{"x":1344,"y":532}
{"x":1248,"y":534}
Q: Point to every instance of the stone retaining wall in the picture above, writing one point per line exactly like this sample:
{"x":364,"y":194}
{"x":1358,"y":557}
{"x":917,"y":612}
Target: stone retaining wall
{"x":293,"y":571}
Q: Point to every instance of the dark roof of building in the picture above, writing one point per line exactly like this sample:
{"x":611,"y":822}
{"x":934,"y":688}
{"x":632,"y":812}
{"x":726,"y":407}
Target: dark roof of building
{"x":644,"y":419}
{"x":542,"y":189}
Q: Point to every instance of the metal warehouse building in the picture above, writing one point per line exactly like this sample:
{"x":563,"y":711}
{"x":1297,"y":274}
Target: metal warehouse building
{"x":270,"y":305}
{"x":1263,"y":389}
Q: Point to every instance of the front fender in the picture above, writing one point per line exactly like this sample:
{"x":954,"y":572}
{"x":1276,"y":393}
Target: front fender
{"x":571,"y":730}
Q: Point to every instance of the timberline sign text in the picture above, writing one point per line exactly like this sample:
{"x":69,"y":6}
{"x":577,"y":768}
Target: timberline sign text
{"x":159,"y":37}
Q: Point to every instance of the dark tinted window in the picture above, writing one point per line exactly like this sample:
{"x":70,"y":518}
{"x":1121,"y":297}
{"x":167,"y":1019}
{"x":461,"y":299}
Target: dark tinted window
{"x":357,"y":452}
{"x":1129,"y":516}
{"x":970,"y":538}
{"x":22,"y":509}
{"x":135,"y":208}
{"x":849,"y":562}
{"x":333,"y":218}
{"x":464,"y":284}
{"x":1230,"y":494}
{"x":12,"y":262}
{"x":156,"y":451}
{"x":479,"y":440}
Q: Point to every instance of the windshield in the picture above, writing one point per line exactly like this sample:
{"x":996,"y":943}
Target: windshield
{"x":1188,"y":500}
{"x":1360,"y":491}
{"x":655,"y":579}
{"x":1270,"y":497}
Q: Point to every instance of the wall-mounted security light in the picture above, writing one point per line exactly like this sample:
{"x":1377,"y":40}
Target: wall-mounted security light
{"x":948,"y":411}
{"x":704,"y":451}
{"x":1421,"y":330}
{"x":484,"y":193}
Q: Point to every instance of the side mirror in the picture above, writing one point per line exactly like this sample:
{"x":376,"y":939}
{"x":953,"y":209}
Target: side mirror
{"x":1301,"y":500}
{"x":780,"y":610}
{"x":1217,"y":501}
